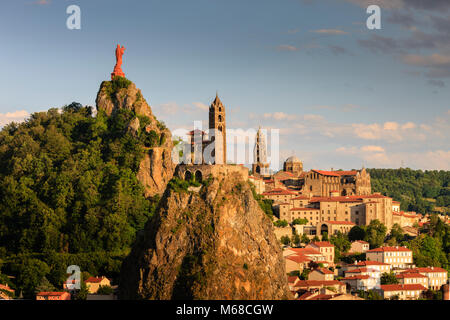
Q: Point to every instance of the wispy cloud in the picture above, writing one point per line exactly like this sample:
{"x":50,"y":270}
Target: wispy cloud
{"x":42,"y":2}
{"x":287,"y":47}
{"x":330,"y":31}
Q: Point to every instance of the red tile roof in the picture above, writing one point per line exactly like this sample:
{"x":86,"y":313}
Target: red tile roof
{"x":324,"y":270}
{"x":43,"y":293}
{"x":370,"y":263}
{"x":298,"y":258}
{"x":94,"y":279}
{"x":6,"y":287}
{"x":337,"y":173}
{"x":408,"y":275}
{"x":304,"y":209}
{"x":317,"y":283}
{"x":277,"y":192}
{"x":306,"y":295}
{"x":402,"y":287}
{"x":341,"y":222}
{"x":305,"y":251}
{"x":322,"y":297}
{"x":322,"y":244}
{"x":336,"y":199}
{"x":301,"y":198}
{"x":389,"y":249}
{"x":292,"y":279}
{"x":360,"y":270}
{"x":357,"y":277}
{"x":327,"y":173}
{"x":426,"y":270}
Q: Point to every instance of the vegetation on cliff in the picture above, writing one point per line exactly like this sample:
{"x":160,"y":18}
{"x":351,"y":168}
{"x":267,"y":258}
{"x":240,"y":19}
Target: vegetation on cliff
{"x":69,"y":193}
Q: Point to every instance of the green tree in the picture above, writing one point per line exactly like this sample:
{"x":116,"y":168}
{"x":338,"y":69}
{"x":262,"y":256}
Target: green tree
{"x":296,"y":239}
{"x":285,"y":240}
{"x":104,"y":290}
{"x":304,"y":239}
{"x":300,"y":221}
{"x":357,"y":233}
{"x":281,"y":223}
{"x":388,"y":278}
{"x":375,"y":234}
{"x":44,"y":286}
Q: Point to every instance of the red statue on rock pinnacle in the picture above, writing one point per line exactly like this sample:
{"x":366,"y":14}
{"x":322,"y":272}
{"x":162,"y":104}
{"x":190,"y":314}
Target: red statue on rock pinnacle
{"x":118,"y":67}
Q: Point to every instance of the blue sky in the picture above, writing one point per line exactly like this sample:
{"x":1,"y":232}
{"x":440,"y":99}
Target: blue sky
{"x":341,"y":95}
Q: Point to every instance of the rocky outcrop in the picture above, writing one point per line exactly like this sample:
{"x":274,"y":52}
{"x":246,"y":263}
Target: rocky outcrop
{"x":156,"y":167}
{"x":212,"y":243}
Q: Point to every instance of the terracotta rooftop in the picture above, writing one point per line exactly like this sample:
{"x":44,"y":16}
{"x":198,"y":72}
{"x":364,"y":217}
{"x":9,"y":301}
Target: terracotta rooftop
{"x":357,"y":277}
{"x":402,"y":287}
{"x":370,"y":263}
{"x":95,"y":279}
{"x":341,"y":222}
{"x":408,"y":275}
{"x":305,"y":251}
{"x":324,"y":270}
{"x":389,"y":249}
{"x":337,"y":173}
{"x":315,"y":283}
{"x":304,"y":209}
{"x":322,"y":244}
{"x":301,"y":198}
{"x":299,"y":258}
{"x":425,"y":270}
{"x":53,"y":293}
{"x":360,"y":270}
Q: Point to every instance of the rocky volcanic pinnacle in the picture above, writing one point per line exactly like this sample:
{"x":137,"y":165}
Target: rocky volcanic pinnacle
{"x":156,"y":168}
{"x":212,"y":243}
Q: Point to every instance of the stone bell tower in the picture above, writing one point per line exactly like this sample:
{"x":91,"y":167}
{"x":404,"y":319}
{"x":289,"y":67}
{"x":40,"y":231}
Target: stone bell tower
{"x":260,"y":165}
{"x":217,"y":130}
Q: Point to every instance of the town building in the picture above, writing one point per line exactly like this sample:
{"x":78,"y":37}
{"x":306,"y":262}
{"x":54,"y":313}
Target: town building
{"x":405,"y":219}
{"x":308,"y":285}
{"x":361,"y":282}
{"x":380,"y":266}
{"x":321,"y":274}
{"x":297,"y":259}
{"x":397,"y":257}
{"x":94,"y":283}
{"x":340,"y":210}
{"x":402,"y":291}
{"x":325,"y":248}
{"x":6,"y":292}
{"x":437,"y":277}
{"x":412,"y":278}
{"x":359,"y":246}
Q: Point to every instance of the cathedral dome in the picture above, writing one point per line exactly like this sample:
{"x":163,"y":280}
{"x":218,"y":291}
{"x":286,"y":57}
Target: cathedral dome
{"x":292,"y":159}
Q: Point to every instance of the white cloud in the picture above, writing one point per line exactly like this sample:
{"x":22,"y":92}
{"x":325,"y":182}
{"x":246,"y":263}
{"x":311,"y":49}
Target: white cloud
{"x":201,"y":106}
{"x":16,"y":116}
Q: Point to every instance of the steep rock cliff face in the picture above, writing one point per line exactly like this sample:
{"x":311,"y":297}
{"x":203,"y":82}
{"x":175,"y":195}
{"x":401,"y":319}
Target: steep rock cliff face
{"x":215,"y":243}
{"x":156,"y":168}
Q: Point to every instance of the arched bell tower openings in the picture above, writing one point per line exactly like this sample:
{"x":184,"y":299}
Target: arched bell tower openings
{"x":217,"y":129}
